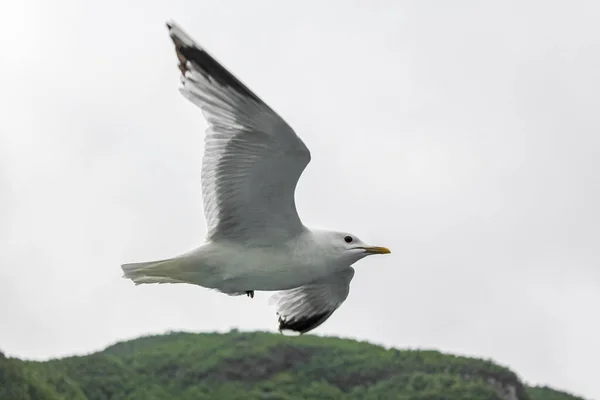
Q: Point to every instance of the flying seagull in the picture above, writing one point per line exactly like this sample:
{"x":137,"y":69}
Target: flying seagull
{"x":256,"y":240}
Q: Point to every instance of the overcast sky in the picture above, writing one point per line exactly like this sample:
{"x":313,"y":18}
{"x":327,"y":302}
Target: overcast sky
{"x":463,"y":135}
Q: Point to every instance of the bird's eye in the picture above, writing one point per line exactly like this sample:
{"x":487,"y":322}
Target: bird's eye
{"x":348,"y":239}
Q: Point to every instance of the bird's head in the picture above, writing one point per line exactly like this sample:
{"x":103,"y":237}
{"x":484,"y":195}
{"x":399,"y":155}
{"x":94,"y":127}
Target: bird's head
{"x":349,"y":247}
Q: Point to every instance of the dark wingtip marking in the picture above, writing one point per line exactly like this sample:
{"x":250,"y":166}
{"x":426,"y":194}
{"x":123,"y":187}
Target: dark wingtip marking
{"x":205,"y":63}
{"x":303,"y":324}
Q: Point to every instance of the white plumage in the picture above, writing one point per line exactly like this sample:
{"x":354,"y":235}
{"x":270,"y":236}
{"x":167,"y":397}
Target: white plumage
{"x":256,"y":240}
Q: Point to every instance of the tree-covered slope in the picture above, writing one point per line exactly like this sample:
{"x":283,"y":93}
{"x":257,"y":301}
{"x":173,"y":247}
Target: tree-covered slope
{"x":34,"y":381}
{"x":546,"y":393}
{"x":261,"y":366}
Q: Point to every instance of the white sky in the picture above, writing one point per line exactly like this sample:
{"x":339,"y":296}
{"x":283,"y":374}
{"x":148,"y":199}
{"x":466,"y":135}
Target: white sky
{"x":463,"y":135}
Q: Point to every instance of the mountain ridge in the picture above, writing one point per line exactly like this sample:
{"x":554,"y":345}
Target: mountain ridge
{"x":261,"y":365}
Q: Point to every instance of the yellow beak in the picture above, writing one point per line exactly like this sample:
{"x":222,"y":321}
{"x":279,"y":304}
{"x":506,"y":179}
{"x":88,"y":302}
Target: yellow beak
{"x":377,"y":250}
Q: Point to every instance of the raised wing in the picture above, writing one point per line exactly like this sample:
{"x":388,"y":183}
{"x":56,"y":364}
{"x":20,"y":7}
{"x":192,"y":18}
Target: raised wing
{"x":252,"y":158}
{"x":304,"y":308}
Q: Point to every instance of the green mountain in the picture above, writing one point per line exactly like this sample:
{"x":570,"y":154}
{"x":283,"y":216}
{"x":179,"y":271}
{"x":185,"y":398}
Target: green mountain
{"x":238,"y":365}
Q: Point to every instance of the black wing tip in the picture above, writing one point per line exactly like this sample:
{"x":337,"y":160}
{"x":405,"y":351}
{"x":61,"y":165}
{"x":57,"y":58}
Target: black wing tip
{"x":179,"y":37}
{"x":303,"y":324}
{"x":170,"y":23}
{"x":188,"y":51}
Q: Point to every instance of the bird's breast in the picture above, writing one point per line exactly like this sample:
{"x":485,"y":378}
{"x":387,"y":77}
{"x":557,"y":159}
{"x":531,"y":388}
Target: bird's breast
{"x":268,"y":268}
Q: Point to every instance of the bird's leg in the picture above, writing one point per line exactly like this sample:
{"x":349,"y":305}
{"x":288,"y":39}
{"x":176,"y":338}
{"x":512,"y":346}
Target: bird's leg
{"x":250,"y":293}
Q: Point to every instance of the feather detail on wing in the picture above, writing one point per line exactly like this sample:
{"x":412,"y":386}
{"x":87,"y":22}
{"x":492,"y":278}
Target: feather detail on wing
{"x":305,"y":308}
{"x":252,"y":160}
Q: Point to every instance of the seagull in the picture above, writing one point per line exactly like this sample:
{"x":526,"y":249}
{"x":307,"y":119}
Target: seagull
{"x":256,"y":240}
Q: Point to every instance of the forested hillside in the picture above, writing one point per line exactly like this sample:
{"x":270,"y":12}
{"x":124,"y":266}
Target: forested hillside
{"x":261,"y":366}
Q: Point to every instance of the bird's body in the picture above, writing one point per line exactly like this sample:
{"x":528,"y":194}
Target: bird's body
{"x":256,"y":240}
{"x":235,"y":268}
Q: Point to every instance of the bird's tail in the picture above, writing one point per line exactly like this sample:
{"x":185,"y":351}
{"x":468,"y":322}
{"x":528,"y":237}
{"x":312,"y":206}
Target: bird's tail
{"x":159,"y":271}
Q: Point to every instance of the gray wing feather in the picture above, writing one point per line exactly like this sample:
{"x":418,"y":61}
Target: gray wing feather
{"x":305,"y":308}
{"x":252,"y":159}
